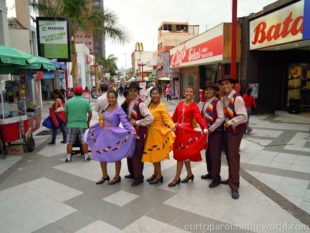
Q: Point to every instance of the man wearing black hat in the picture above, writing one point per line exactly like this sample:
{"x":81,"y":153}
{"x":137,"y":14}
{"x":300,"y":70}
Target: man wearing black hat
{"x":234,"y":127}
{"x":213,"y":113}
{"x":139,"y":116}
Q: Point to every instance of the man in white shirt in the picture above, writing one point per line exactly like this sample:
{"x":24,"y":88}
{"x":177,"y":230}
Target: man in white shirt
{"x":102,"y":101}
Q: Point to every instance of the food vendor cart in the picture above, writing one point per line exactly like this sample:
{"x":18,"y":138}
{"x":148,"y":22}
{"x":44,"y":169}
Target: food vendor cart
{"x":17,"y":125}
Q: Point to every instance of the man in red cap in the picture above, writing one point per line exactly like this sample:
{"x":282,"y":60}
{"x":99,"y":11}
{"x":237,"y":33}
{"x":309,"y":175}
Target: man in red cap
{"x":78,"y":114}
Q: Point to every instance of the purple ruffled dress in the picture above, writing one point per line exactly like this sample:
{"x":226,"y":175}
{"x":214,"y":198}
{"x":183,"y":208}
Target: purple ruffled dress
{"x":112,"y":143}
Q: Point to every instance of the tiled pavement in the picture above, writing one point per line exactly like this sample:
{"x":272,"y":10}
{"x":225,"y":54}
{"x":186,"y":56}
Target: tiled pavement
{"x":43,"y":194}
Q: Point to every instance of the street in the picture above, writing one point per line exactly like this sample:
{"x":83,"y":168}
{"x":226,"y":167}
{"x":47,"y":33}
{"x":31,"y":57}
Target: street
{"x":41,"y":193}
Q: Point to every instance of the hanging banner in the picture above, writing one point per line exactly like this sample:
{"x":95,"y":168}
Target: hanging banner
{"x":53,"y":38}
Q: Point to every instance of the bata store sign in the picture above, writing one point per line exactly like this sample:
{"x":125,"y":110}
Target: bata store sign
{"x":283,"y":26}
{"x":205,"y":48}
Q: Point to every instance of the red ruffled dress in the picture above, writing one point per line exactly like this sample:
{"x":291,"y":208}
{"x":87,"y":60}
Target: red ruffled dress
{"x":188,"y":142}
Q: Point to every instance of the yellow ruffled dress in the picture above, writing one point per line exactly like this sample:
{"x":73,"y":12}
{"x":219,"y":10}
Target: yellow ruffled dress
{"x":159,"y":139}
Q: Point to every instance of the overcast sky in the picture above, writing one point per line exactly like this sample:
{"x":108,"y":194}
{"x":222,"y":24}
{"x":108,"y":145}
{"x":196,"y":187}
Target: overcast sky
{"x":141,"y":18}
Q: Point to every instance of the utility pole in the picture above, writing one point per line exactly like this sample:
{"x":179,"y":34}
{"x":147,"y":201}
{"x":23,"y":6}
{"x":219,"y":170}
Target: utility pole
{"x":233,"y":72}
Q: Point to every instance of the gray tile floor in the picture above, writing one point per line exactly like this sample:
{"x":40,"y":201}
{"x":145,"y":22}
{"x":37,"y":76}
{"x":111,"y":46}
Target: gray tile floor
{"x":47,"y":195}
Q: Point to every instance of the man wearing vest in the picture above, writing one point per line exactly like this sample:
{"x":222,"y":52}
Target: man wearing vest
{"x":212,"y":112}
{"x":139,"y":116}
{"x":234,"y":128}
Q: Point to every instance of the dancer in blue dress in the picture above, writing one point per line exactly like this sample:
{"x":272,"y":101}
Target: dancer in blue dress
{"x":108,"y":141}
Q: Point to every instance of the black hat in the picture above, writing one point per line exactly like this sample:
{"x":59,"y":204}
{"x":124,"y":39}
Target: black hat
{"x":134,"y":85}
{"x":227,"y":77}
{"x":212,"y":84}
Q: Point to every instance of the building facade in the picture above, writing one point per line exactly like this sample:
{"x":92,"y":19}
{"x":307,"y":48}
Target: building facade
{"x":4,"y":30}
{"x":171,"y":34}
{"x":204,"y":58}
{"x":95,"y":43}
{"x":275,"y":56}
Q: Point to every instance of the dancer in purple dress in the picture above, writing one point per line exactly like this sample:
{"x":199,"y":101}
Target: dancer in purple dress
{"x":109,"y":142}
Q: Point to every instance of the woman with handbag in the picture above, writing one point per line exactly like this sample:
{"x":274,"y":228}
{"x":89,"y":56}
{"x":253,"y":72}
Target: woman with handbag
{"x":188,"y":142}
{"x":57,"y":116}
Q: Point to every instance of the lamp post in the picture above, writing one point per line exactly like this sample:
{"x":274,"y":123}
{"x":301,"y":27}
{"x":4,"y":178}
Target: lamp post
{"x":125,"y":65}
{"x":141,"y":64}
{"x":234,"y":40}
{"x":95,"y":68}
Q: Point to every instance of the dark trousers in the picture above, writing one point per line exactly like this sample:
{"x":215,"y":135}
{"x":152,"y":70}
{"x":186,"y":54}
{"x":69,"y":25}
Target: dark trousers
{"x":135,"y":164}
{"x":213,"y":154}
{"x":62,"y":127}
{"x":232,"y":146}
{"x":168,"y":97}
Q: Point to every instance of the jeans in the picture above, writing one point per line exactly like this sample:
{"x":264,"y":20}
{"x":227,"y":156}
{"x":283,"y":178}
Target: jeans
{"x":63,"y":130}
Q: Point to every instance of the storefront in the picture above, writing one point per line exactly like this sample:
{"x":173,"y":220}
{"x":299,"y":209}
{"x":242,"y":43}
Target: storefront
{"x":203,"y":58}
{"x":277,"y":56}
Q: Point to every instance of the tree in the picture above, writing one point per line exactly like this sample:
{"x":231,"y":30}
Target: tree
{"x":82,"y":17}
{"x":108,"y":64}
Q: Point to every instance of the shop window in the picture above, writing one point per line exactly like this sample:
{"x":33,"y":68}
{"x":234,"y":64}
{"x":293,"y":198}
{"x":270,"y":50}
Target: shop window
{"x":299,"y":86}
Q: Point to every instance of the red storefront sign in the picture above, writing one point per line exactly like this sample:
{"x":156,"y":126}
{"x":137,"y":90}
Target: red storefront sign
{"x":207,"y":49}
{"x":263,"y":33}
{"x":282,"y":26}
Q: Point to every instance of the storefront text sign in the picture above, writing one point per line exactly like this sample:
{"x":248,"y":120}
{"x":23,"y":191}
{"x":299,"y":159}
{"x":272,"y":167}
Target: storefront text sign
{"x":283,"y":26}
{"x":207,"y":49}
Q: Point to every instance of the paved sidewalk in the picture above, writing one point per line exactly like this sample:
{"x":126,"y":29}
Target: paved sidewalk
{"x":41,"y":193}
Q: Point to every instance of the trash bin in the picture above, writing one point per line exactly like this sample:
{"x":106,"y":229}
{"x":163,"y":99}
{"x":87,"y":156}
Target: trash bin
{"x":294,"y":106}
{"x":201,"y":95}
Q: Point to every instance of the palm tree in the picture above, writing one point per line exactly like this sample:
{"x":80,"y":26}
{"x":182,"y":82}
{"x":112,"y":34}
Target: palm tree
{"x":108,"y":64}
{"x":82,"y":17}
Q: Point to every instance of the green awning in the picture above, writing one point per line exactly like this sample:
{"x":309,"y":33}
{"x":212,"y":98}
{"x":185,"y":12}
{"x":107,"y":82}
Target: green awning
{"x":37,"y":63}
{"x":9,"y":55}
{"x":12,"y":60}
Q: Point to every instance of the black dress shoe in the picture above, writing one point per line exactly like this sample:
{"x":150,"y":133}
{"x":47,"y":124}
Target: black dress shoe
{"x":225,"y":181}
{"x":103,"y":179}
{"x":235,"y":194}
{"x":174,"y":183}
{"x":63,"y":142}
{"x":129,"y":176}
{"x":214,"y":184}
{"x":151,"y":178}
{"x":136,"y":183}
{"x":115,"y":181}
{"x":206,"y":177}
{"x":51,"y":143}
{"x":186,"y":179}
{"x":156,"y":181}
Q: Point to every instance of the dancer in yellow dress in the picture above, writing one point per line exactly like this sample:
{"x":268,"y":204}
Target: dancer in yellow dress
{"x":160,"y":136}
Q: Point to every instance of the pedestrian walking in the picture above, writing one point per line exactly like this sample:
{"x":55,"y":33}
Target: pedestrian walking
{"x":125,"y":104}
{"x":234,"y":127}
{"x":160,"y":138}
{"x":250,"y":104}
{"x":102,"y":101}
{"x":213,"y":113}
{"x":108,"y":141}
{"x":57,"y":114}
{"x":188,"y":142}
{"x":78,"y":115}
{"x":168,"y":92}
{"x":140,"y":117}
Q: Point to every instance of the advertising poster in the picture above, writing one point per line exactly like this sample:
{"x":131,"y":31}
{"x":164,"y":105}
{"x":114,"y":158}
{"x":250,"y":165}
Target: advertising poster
{"x":53,"y":38}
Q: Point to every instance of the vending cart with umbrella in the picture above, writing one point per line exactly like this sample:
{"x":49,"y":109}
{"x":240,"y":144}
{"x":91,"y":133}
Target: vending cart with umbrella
{"x":18,"y":125}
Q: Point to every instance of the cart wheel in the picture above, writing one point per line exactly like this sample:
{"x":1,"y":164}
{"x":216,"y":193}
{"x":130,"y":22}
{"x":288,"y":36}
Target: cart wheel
{"x":2,"y":148}
{"x":30,"y":144}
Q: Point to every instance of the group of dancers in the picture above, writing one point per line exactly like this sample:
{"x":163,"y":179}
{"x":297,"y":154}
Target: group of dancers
{"x":149,"y":134}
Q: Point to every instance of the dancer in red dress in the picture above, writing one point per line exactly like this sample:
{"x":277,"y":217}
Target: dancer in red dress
{"x":188,"y":142}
